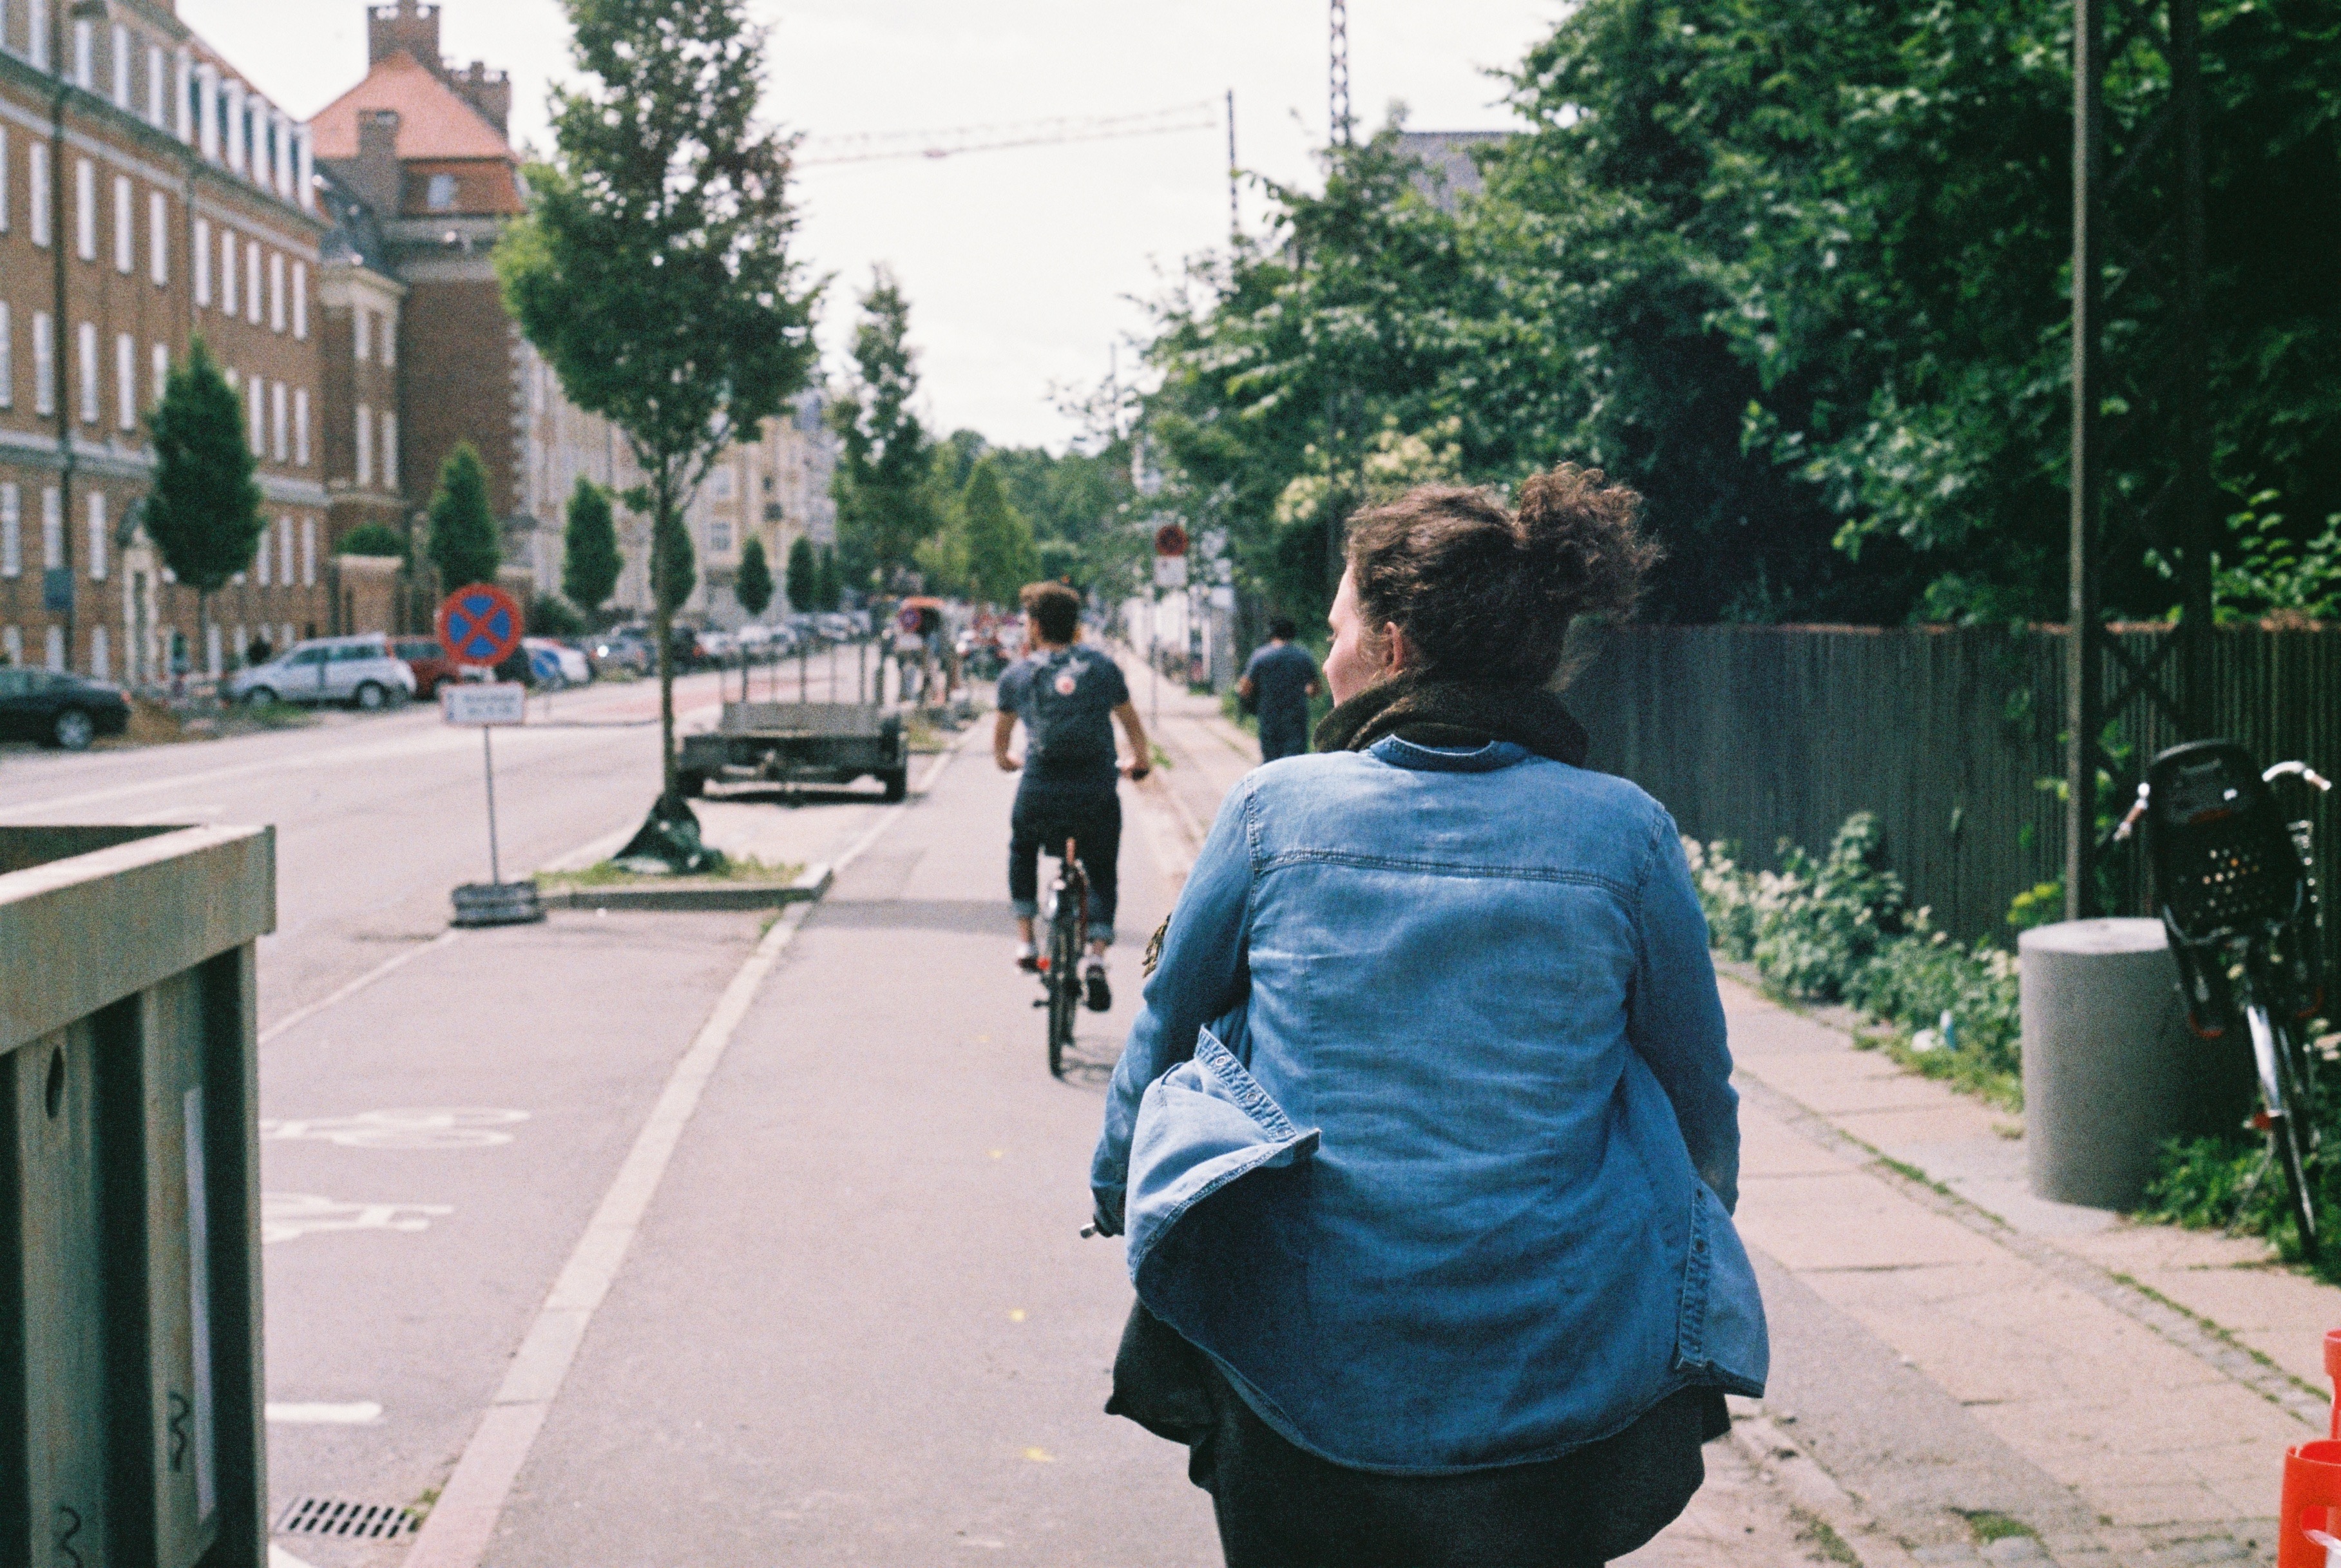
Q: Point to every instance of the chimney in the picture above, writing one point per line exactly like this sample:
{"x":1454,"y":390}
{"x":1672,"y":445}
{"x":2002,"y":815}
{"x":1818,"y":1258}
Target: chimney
{"x":405,"y":25}
{"x":375,"y":175}
{"x":489,"y":92}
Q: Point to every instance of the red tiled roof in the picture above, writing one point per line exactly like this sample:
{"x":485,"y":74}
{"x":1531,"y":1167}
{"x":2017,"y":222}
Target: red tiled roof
{"x":432,"y":122}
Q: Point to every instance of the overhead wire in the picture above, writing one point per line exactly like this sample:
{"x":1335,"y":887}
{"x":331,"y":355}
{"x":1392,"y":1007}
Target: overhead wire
{"x":873,"y":147}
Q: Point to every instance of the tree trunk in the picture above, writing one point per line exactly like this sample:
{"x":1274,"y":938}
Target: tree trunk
{"x":662,"y":628}
{"x":203,"y":632}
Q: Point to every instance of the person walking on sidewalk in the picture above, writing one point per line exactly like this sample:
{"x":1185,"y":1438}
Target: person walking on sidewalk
{"x":1066,"y":695}
{"x":1278,"y":682}
{"x":1423,"y":1137}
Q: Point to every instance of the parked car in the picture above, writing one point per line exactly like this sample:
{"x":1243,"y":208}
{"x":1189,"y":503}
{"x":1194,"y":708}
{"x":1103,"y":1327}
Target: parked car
{"x":623,"y":650}
{"x":359,"y":670}
{"x":59,"y":709}
{"x":555,"y":664}
{"x":428,"y":661}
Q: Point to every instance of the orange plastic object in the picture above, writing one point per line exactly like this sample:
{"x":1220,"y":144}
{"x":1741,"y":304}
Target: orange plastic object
{"x":2332,"y":1373}
{"x":2312,"y":1501}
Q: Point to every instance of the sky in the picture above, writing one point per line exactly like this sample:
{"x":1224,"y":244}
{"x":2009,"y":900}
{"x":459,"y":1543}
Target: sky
{"x":1023,"y":268}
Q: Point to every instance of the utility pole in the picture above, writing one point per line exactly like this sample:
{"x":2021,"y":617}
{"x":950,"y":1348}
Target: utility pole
{"x":1235,"y":213}
{"x":1338,"y":117}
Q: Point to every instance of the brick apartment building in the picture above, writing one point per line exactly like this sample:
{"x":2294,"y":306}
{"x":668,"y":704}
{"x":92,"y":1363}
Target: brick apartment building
{"x":147,"y":195}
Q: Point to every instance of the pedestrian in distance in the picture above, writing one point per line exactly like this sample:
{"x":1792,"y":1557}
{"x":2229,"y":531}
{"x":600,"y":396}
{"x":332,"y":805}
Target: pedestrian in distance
{"x":1277,"y":684}
{"x":1068,"y":694}
{"x":1423,"y":1137}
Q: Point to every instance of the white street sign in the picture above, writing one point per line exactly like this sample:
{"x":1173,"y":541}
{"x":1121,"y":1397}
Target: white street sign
{"x":502,"y":702}
{"x":1170,"y":571}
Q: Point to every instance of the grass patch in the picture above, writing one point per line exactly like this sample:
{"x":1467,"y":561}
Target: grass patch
{"x":610,"y":874}
{"x":1816,"y":1531}
{"x":1989,"y":1525}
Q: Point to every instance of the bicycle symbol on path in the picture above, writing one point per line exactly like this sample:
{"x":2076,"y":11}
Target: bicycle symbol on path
{"x":288,"y":1217}
{"x":462,"y":1127}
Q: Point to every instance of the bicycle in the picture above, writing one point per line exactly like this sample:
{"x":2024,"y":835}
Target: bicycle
{"x":2235,"y":886}
{"x":1067,"y":912}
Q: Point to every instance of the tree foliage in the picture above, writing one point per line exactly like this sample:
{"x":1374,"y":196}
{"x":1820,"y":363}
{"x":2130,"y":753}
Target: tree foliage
{"x":1001,"y":555}
{"x":804,"y":577}
{"x":828,"y":590}
{"x":654,"y":267}
{"x":887,"y":505}
{"x":753,"y":585}
{"x":465,"y":544}
{"x":1795,"y":269}
{"x":590,"y":558}
{"x":204,"y":513}
{"x":376,"y":539}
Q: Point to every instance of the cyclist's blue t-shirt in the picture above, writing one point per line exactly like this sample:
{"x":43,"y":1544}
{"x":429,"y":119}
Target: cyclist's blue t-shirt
{"x":1066,"y":699}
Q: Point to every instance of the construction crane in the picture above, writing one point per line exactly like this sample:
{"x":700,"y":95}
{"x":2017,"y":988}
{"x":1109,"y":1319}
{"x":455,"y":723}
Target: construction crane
{"x":875,"y":146}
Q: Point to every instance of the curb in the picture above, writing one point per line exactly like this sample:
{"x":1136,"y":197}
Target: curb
{"x":1813,"y":1493}
{"x":806,"y":889}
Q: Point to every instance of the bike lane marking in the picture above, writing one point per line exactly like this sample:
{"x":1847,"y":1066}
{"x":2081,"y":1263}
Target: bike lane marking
{"x":456,"y":1531}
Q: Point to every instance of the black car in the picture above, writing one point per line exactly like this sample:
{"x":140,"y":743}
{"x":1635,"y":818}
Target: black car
{"x":59,"y":709}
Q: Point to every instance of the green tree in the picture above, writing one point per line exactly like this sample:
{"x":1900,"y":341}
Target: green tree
{"x":885,"y":481}
{"x":590,"y":558}
{"x":551,"y":615}
{"x":204,"y":513}
{"x":753,"y":586}
{"x":804,"y":577}
{"x":378,"y":539}
{"x":654,"y":267}
{"x":1001,"y":555}
{"x":465,"y":545}
{"x":829,"y":592}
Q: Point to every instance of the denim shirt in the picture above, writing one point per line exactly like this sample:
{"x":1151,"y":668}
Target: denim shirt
{"x":1425,"y":1130}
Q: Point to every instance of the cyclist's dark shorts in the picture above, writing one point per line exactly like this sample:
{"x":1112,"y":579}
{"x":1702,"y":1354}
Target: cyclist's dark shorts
{"x":1048,"y":814}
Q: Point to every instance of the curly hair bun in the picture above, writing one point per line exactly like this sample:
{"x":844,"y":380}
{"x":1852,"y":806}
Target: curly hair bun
{"x":1487,"y":592}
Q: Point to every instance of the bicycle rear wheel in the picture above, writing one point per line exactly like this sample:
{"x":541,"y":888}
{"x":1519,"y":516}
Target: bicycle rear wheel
{"x":1064,"y":979}
{"x":2292,"y":1132}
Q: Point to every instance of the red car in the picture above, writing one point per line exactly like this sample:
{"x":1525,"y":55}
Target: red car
{"x":429,"y":661}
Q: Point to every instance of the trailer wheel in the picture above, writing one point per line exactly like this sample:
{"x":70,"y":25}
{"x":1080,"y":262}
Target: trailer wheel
{"x":897,"y":782}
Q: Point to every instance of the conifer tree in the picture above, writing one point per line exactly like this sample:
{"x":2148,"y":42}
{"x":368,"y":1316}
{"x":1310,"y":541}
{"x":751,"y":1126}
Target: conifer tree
{"x":754,"y":585}
{"x":204,"y":513}
{"x":589,"y":561}
{"x":830,"y":593}
{"x":804,"y":577}
{"x":465,"y":545}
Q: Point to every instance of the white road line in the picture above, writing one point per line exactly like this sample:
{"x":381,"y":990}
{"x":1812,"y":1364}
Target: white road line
{"x":456,"y":1533}
{"x":302,"y":1014}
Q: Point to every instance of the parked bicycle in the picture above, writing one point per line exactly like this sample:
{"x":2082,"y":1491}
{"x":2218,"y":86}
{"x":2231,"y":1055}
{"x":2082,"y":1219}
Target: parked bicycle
{"x":1065,"y":909}
{"x":2235,"y":883}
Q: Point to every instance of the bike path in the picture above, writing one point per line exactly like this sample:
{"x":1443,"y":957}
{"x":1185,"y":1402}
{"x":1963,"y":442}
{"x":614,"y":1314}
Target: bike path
{"x":857,"y":1323}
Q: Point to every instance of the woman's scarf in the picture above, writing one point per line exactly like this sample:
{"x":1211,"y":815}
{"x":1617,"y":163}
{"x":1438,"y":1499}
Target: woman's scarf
{"x":1455,"y":715}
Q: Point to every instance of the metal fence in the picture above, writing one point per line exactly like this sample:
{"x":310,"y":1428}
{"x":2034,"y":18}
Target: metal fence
{"x":1950,"y":736}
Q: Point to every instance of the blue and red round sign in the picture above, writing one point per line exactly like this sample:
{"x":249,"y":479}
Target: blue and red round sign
{"x":481,"y":625}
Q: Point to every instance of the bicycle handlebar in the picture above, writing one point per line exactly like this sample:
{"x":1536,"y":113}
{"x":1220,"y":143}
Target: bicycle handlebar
{"x":2299,"y":770}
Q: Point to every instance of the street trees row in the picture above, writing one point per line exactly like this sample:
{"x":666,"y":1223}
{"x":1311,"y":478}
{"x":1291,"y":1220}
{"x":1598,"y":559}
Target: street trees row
{"x":1796,"y":270}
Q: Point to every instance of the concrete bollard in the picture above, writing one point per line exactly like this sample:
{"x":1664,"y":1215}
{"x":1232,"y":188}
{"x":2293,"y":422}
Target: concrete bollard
{"x":2110,"y":1068}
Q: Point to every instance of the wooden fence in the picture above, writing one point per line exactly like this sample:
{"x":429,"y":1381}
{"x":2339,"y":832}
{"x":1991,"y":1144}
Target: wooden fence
{"x":1950,"y":736}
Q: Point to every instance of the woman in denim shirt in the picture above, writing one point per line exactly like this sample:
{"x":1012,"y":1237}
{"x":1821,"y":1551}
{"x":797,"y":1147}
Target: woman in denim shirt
{"x":1424,"y":1138}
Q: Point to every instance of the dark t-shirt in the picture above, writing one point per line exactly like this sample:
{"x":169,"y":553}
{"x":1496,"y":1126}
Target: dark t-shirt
{"x":1281,"y":675}
{"x":1066,"y":699}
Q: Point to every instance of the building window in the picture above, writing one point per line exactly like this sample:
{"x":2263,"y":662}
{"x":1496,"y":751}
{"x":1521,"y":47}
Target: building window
{"x":4,"y":180}
{"x":126,"y":232}
{"x":12,"y":644}
{"x":120,"y":67}
{"x":252,"y":300}
{"x":389,"y":450}
{"x":156,"y":96}
{"x":125,"y":381}
{"x":308,"y":552}
{"x":258,"y":400}
{"x":36,"y":192}
{"x":203,"y":262}
{"x":158,"y":237}
{"x":227,"y":270}
{"x":388,"y":333}
{"x":12,"y":532}
{"x":365,"y":445}
{"x":101,"y":656}
{"x":87,"y":346}
{"x":276,"y":421}
{"x":97,"y":533}
{"x":161,"y":367}
{"x":55,"y":649}
{"x":211,"y":661}
{"x":719,"y":537}
{"x":7,"y":358}
{"x":276,"y":290}
{"x":362,"y":333}
{"x":85,"y":60}
{"x":53,"y":528}
{"x":301,"y":426}
{"x":285,"y":559}
{"x":85,"y":208}
{"x":440,"y":195}
{"x":719,"y":484}
{"x":38,"y":30}
{"x":301,"y":301}
{"x":44,"y":362}
{"x":260,"y":566}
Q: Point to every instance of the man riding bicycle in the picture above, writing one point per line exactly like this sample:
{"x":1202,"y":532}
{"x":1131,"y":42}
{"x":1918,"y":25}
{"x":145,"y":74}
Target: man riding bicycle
{"x":1066,"y":695}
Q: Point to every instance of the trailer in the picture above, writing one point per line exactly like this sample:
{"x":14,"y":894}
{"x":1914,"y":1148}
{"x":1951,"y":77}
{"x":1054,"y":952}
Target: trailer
{"x":792,"y":744}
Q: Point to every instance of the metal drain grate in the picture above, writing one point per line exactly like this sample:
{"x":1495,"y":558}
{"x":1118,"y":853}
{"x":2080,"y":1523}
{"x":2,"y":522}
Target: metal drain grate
{"x":339,"y":1516}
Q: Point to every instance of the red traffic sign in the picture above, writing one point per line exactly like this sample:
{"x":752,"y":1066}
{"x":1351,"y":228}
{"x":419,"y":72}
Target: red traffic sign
{"x":1169,"y":540}
{"x":481,"y":625}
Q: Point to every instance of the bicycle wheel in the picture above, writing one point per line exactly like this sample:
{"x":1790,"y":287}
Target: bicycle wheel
{"x":1064,"y":981}
{"x":2292,"y":1132}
